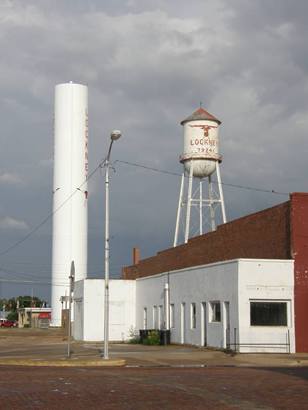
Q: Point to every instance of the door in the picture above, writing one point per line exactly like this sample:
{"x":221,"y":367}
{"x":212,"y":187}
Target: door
{"x":227,"y":323}
{"x":78,"y":333}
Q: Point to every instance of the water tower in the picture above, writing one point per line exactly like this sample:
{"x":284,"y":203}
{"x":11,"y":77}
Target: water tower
{"x":200,"y":161}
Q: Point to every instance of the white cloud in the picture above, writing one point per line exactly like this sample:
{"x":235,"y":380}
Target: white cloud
{"x":9,"y":178}
{"x":8,"y":222}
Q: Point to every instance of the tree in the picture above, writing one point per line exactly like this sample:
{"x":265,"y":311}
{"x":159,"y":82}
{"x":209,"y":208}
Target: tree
{"x":11,"y":304}
{"x":12,"y":316}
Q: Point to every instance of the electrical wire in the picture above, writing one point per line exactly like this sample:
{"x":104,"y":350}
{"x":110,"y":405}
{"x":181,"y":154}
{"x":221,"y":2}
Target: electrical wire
{"x":22,"y":275}
{"x":6,"y":271}
{"x":37,"y":227}
{"x":162,"y":171}
{"x":99,"y":166}
{"x":33,"y":282}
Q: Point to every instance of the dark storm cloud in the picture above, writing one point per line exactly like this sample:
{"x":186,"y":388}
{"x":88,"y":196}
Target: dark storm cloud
{"x":148,"y":64}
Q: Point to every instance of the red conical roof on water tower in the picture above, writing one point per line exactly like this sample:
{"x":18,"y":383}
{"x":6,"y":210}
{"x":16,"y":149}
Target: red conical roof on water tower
{"x":201,"y":114}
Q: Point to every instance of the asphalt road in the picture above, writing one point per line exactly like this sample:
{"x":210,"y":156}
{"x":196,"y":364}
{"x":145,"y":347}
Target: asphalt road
{"x":153,"y":388}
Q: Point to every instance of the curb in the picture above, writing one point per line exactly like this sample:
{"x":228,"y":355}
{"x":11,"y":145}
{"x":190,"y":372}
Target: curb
{"x":63,"y":363}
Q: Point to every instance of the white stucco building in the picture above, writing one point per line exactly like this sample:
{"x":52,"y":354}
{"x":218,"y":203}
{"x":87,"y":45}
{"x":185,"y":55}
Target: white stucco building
{"x":245,"y":304}
{"x":89,"y":309}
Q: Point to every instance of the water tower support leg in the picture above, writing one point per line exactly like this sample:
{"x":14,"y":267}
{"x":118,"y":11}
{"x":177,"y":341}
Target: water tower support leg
{"x":212,"y":213}
{"x":221,"y":195}
{"x":189,"y":200}
{"x":178,"y":215}
{"x":200,"y":207}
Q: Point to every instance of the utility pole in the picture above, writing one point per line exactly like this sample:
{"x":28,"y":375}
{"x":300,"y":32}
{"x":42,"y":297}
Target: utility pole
{"x":71,"y":289}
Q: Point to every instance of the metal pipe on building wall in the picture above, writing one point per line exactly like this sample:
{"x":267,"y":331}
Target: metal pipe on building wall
{"x":167,"y":306}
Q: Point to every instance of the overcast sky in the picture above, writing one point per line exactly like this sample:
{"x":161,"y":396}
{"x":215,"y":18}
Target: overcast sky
{"x":147,"y":64}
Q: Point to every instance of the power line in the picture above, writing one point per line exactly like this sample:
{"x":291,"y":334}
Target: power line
{"x":33,"y":282}
{"x":23,"y":275}
{"x":154,"y":169}
{"x":7,"y":271}
{"x":37,"y":227}
{"x":36,"y":282}
{"x":162,"y":171}
{"x":41,"y":266}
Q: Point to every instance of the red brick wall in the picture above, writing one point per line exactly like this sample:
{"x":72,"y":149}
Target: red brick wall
{"x":264,"y":235}
{"x":299,"y":250}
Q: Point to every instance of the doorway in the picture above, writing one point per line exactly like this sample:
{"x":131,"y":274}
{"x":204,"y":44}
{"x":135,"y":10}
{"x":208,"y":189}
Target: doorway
{"x":227,"y":323}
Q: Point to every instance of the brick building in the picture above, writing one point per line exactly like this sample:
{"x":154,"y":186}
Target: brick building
{"x":277,"y":233}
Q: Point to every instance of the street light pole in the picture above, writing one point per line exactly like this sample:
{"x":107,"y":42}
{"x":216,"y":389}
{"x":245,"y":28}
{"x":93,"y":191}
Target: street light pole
{"x":71,"y":289}
{"x":115,"y":135}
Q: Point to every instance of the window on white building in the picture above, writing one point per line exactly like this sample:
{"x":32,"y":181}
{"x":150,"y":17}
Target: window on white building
{"x":172,"y":324}
{"x":193,"y":316}
{"x":216,"y":312}
{"x":268,"y":313}
{"x":155,"y":324}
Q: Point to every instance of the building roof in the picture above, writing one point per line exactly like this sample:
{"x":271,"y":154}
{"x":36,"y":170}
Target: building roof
{"x":200,"y":114}
{"x":34,"y":309}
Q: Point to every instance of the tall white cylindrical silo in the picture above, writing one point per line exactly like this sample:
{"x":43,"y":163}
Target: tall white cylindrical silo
{"x":70,"y":193}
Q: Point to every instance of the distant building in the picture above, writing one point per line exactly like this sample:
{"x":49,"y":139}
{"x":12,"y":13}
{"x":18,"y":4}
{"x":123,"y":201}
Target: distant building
{"x":3,"y":314}
{"x":34,"y":317}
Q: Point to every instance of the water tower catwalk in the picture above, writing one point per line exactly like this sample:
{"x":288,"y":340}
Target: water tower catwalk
{"x":200,"y":160}
{"x":70,"y":194}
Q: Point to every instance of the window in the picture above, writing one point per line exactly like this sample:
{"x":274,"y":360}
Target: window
{"x":193,"y":316}
{"x":155,"y":317}
{"x":145,"y":318}
{"x":171,"y":316}
{"x":216,"y":312}
{"x":268,"y":314}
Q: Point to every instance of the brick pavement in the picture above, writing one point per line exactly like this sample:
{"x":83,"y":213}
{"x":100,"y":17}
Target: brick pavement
{"x":153,"y":388}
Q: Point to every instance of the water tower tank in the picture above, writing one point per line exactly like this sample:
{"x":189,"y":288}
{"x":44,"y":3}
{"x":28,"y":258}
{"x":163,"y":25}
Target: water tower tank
{"x":200,"y":143}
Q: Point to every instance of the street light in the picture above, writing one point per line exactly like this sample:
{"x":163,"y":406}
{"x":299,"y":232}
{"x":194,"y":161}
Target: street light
{"x":71,"y":289}
{"x":115,"y":135}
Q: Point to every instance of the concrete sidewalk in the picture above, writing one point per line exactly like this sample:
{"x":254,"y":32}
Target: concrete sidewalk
{"x":49,"y":348}
{"x":190,"y":356}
